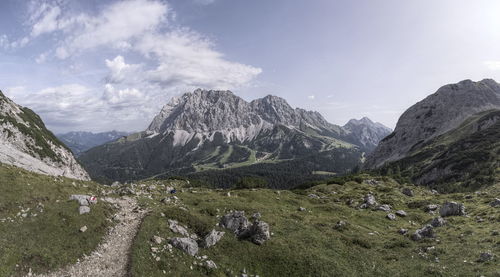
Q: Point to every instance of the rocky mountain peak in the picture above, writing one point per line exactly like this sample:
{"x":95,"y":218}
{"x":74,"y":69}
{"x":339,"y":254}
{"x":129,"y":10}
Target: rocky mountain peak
{"x":438,"y":113}
{"x":366,"y":133}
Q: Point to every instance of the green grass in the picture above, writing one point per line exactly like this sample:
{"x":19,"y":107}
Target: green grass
{"x":308,"y":244}
{"x":51,"y":239}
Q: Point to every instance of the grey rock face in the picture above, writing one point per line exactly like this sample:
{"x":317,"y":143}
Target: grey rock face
{"x":438,"y":113}
{"x":366,"y":133}
{"x":33,"y":148}
{"x":212,"y":238}
{"x":438,"y":222}
{"x":452,"y":209}
{"x":187,"y":245}
{"x":425,"y":232}
{"x":235,"y":221}
{"x":401,"y":213}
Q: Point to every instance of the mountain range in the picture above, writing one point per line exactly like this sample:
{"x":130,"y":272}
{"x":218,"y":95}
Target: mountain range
{"x":80,"y":141}
{"x":209,"y":129}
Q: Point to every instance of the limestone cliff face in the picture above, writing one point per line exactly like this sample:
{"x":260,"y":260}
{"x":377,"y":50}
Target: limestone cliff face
{"x":437,"y":114}
{"x":26,"y":143}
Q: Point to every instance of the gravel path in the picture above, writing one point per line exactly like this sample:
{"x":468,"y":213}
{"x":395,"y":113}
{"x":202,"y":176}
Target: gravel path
{"x":111,"y":257}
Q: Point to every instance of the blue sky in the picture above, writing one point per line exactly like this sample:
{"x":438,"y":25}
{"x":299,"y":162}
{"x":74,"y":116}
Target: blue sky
{"x":101,"y":65}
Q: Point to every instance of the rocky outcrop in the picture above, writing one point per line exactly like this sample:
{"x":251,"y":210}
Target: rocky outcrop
{"x":437,"y":114}
{"x":425,"y":232}
{"x":26,"y":143}
{"x":212,"y":238}
{"x":236,"y":221}
{"x":187,"y":245}
{"x":452,"y":209}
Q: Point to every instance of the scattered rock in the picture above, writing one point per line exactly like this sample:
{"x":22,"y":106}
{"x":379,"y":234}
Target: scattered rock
{"x":391,"y":216}
{"x":495,"y":203}
{"x":433,"y":191}
{"x":372,"y":182}
{"x":210,"y":264}
{"x":341,"y":225}
{"x":187,"y":245}
{"x":431,"y":208}
{"x":83,"y":229}
{"x":235,"y":221}
{"x":302,"y":209}
{"x":84,"y":209}
{"x":176,"y":228}
{"x":82,"y":199}
{"x":438,"y":222}
{"x":157,"y":239}
{"x":314,"y":196}
{"x":452,"y":209}
{"x":369,"y":201}
{"x":115,"y":184}
{"x":425,"y":232}
{"x":212,"y":238}
{"x":401,"y":213}
{"x":485,"y":256}
{"x":403,"y":231}
{"x":407,"y":192}
{"x":125,"y":191}
{"x":384,"y":208}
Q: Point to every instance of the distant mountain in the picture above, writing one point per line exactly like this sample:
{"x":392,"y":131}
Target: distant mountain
{"x":26,"y":143}
{"x":451,"y":137}
{"x":80,"y":142}
{"x":366,"y":133}
{"x":207,"y":130}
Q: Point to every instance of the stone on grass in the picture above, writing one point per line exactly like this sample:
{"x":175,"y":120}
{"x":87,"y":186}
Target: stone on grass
{"x":407,"y":192}
{"x":210,"y":264}
{"x":431,"y":208}
{"x":403,"y":231}
{"x":401,"y":213}
{"x":157,"y":239}
{"x":83,"y":229}
{"x":314,"y":196}
{"x":302,"y":209}
{"x":212,"y":238}
{"x":452,"y":209}
{"x":495,"y":203}
{"x":187,"y":245}
{"x":391,"y":216}
{"x":341,"y":225}
{"x":485,"y":257}
{"x":84,"y":209}
{"x":82,"y":199}
{"x":369,"y":201}
{"x":259,"y":232}
{"x":384,"y":208}
{"x":425,"y":232}
{"x":438,"y":222}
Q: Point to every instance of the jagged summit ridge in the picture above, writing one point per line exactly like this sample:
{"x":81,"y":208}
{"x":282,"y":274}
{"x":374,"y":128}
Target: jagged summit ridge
{"x":202,"y":113}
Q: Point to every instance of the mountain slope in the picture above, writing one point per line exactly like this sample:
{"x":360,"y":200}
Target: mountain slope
{"x":435,"y":115}
{"x":80,"y":142}
{"x":207,"y":130}
{"x":26,"y":143}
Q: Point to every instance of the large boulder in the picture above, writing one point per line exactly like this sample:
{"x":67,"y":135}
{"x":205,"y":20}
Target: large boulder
{"x":235,"y":221}
{"x":368,"y":201}
{"x":425,"y":232}
{"x":84,"y":209}
{"x":187,"y":245}
{"x":407,"y":192}
{"x":452,"y":209}
{"x":438,"y":222}
{"x":212,"y":238}
{"x":83,"y":200}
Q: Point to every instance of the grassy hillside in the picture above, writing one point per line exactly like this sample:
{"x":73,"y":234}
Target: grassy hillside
{"x":464,"y":159}
{"x":308,"y":243}
{"x":39,"y":226}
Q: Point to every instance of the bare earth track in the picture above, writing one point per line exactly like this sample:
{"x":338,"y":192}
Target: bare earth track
{"x":111,"y":257}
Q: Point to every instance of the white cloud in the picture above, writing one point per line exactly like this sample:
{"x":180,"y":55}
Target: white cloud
{"x":311,"y":97}
{"x":492,"y":65}
{"x":119,"y":71}
{"x":45,"y":19}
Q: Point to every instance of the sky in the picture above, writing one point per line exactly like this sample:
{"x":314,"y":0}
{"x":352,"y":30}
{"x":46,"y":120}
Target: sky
{"x":99,"y":65}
